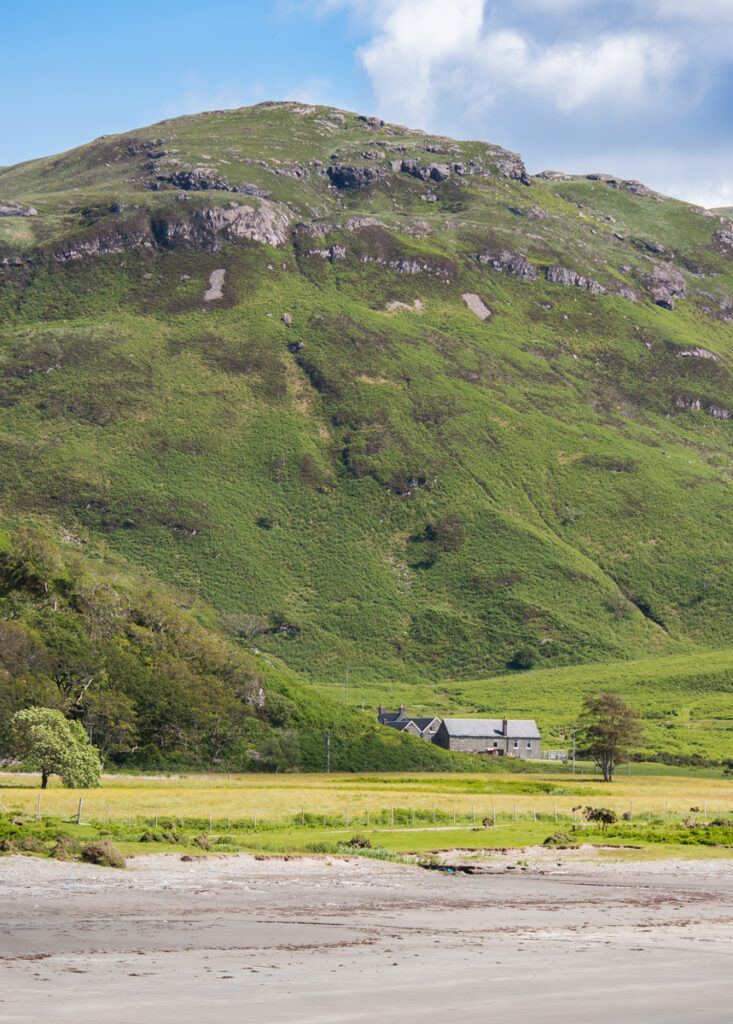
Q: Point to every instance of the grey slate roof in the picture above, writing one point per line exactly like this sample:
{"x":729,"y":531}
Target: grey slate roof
{"x":492,"y":728}
{"x":401,"y":723}
{"x":422,"y":723}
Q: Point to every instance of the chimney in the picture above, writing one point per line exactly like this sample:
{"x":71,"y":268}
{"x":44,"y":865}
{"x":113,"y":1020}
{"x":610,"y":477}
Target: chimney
{"x":504,"y":727}
{"x":403,"y":711}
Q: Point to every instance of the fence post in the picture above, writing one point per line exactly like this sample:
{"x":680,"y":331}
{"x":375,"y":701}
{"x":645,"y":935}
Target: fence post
{"x":256,"y":817}
{"x":108,"y":810}
{"x":367,"y":823}
{"x":78,"y":816}
{"x":391,"y":817}
{"x":156,"y":817}
{"x":515,"y":812}
{"x":705,"y":810}
{"x":38,"y":815}
{"x":347,"y":817}
{"x":454,"y":815}
{"x":302,"y":815}
{"x":534,"y":814}
{"x":211,"y":822}
{"x":493,"y":814}
{"x":433,"y":814}
{"x":554,"y":807}
{"x":413,"y":817}
{"x":473,"y":808}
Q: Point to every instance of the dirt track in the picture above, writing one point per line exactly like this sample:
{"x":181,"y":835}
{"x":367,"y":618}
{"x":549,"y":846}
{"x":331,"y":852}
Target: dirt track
{"x":354,"y":940}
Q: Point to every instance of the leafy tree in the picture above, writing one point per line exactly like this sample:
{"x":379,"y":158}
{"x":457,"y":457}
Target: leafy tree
{"x":110,"y":720}
{"x":57,"y":746}
{"x":611,"y":729}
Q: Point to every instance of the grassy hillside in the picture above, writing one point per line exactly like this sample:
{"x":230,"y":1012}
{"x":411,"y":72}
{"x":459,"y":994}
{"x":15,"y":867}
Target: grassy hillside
{"x":245,"y":351}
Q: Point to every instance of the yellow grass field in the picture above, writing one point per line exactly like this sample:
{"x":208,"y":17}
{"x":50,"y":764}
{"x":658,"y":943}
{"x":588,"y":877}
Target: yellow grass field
{"x":281,"y":798}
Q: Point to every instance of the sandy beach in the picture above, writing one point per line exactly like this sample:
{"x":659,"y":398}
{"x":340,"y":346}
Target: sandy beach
{"x":541,"y":935}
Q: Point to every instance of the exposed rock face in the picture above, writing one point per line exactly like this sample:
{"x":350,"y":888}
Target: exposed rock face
{"x":509,"y":165}
{"x":722,"y":237}
{"x":335,"y":252}
{"x":718,"y":412}
{"x":476,"y":304}
{"x":347,"y":176}
{"x":629,"y":185}
{"x":666,"y":284}
{"x":412,"y":265}
{"x":110,"y":242}
{"x":355,"y":223}
{"x":428,"y":172}
{"x":11,"y":209}
{"x":561,"y":275}
{"x":698,"y":353}
{"x":216,"y":286}
{"x":267,"y":223}
{"x":198,"y":179}
{"x":511,"y":262}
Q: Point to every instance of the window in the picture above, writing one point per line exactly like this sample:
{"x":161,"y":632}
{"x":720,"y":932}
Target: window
{"x":529,"y":745}
{"x":496,"y":743}
{"x":516,"y":744}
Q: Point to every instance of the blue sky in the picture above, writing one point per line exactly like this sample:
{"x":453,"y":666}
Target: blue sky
{"x":642,"y":88}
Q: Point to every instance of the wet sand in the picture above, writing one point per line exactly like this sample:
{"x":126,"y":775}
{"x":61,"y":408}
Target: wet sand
{"x":316,"y":941}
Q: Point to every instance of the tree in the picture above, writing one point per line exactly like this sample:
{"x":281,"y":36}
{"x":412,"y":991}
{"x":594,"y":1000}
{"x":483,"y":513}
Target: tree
{"x":611,"y":729}
{"x":57,"y":746}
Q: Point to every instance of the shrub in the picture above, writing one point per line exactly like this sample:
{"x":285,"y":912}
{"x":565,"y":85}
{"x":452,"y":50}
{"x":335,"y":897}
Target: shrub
{"x":67,"y":848}
{"x":203,"y":842}
{"x":31,"y":844}
{"x":102,"y":853}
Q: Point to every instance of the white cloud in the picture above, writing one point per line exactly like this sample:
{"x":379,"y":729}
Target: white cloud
{"x":430,"y":49}
{"x":713,"y":12}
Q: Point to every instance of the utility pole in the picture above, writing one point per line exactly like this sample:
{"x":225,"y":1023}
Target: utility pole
{"x":346,"y":700}
{"x":328,"y":751}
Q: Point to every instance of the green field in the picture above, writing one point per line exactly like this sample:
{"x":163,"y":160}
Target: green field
{"x":314,"y":813}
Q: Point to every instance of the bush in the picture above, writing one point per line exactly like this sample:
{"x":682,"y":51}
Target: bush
{"x":524,"y":657}
{"x":203,"y":842}
{"x":31,"y":844}
{"x":103,"y":853}
{"x":66,"y":848}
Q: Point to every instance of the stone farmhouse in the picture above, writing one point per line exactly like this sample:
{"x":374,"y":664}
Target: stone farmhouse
{"x":505,"y":737}
{"x":501,"y":737}
{"x":425,"y":728}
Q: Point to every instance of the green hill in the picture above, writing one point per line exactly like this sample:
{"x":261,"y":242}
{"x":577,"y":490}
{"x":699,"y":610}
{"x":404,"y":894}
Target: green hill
{"x":373,"y":397}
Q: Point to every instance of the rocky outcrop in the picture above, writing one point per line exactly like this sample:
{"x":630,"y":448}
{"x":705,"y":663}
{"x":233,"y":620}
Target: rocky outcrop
{"x":509,"y":165}
{"x":426,"y":172}
{"x":335,"y":252}
{"x":666,"y":285}
{"x":197,"y":179}
{"x":724,"y":237}
{"x":511,"y":263}
{"x":267,"y":223}
{"x":414,"y":265}
{"x":571,"y":278}
{"x":698,"y":353}
{"x":10,"y":209}
{"x":718,"y":412}
{"x":629,"y":185}
{"x":347,"y":176}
